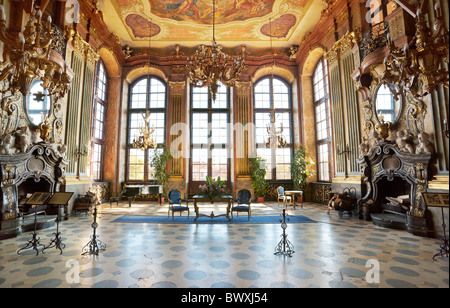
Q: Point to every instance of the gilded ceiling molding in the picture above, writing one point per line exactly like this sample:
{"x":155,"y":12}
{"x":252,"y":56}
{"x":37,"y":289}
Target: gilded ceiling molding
{"x":344,"y":44}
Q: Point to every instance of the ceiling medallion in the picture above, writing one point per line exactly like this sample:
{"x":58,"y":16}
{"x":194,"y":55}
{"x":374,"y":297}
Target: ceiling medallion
{"x":209,"y":65}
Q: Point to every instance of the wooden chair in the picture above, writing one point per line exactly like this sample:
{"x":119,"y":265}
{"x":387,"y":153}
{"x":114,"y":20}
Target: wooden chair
{"x":175,"y":203}
{"x":243,"y":203}
{"x":282,"y":197}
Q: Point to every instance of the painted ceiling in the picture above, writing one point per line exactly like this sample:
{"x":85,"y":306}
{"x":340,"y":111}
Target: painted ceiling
{"x":189,"y":22}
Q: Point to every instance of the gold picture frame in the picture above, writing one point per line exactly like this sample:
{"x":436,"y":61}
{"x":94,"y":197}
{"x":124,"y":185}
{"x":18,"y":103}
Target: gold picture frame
{"x":436,"y":199}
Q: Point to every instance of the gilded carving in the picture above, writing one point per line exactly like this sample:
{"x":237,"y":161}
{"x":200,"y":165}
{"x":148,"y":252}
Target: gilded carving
{"x":243,"y":88}
{"x":177,"y":87}
{"x":343,"y":45}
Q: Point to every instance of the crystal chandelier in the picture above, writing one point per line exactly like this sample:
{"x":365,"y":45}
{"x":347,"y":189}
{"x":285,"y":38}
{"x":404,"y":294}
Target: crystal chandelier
{"x":209,"y":65}
{"x":275,"y":138}
{"x":418,"y":65}
{"x":146,"y":139}
{"x":28,"y":56}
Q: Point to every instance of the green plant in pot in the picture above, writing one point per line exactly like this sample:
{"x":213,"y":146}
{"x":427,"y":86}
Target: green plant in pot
{"x":302,"y":166}
{"x":159,"y":162}
{"x":258,"y":177}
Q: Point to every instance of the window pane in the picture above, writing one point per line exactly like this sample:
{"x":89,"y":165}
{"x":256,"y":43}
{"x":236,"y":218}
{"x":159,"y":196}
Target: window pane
{"x":199,"y":164}
{"x":266,"y":154}
{"x":322,"y":120}
{"x":200,"y":128}
{"x":219,"y":132}
{"x":158,"y":121}
{"x":136,"y":164}
{"x":219,"y":163}
{"x":200,"y":97}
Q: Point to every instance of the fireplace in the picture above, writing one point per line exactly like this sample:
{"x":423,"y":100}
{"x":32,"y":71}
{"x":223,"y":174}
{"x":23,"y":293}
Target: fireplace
{"x":390,"y":174}
{"x":39,"y":169}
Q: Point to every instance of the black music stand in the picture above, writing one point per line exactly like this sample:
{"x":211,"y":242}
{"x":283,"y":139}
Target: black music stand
{"x":439,"y":200}
{"x":38,"y":198}
{"x":59,"y":199}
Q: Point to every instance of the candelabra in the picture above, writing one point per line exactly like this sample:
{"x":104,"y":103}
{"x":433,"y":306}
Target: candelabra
{"x":27,"y":57}
{"x":94,"y":245}
{"x":284,"y":247}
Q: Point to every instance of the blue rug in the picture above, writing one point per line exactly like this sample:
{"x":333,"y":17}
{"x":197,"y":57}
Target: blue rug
{"x":206,"y":220}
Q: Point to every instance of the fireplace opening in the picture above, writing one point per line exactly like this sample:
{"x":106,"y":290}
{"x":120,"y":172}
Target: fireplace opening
{"x":394,"y":195}
{"x":26,"y":189}
{"x":394,"y":202}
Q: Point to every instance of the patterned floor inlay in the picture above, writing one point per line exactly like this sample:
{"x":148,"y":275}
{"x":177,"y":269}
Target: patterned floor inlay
{"x":331,"y":253}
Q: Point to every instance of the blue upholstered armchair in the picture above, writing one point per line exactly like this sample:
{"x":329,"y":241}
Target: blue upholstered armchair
{"x":175,"y":203}
{"x":243,"y":203}
{"x":282,"y":197}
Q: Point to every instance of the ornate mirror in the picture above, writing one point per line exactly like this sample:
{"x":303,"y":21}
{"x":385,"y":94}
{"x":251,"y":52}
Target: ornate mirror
{"x":387,"y":108}
{"x":37,"y":103}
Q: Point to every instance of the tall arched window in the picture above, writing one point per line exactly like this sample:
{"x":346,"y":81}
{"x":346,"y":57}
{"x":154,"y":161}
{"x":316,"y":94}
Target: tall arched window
{"x":279,"y":160}
{"x":323,"y":121}
{"x":98,"y":123}
{"x":209,"y":135}
{"x":146,"y":94}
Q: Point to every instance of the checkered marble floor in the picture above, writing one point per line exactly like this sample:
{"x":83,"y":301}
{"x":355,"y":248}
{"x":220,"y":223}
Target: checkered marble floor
{"x":332,"y":253}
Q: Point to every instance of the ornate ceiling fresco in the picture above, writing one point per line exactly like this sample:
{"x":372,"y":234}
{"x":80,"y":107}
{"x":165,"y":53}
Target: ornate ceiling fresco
{"x":189,"y":22}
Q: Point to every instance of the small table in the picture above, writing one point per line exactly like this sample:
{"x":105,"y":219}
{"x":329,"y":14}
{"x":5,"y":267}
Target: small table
{"x":293,"y":193}
{"x":198,"y":198}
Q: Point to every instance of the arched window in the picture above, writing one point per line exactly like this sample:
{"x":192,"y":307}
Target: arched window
{"x":146,"y":94}
{"x":322,"y":121}
{"x":98,"y":123}
{"x":278,"y":160}
{"x":209,"y":135}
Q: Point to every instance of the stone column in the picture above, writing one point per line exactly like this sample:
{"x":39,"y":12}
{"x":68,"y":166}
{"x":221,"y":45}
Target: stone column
{"x":112,"y":131}
{"x":243,"y":135}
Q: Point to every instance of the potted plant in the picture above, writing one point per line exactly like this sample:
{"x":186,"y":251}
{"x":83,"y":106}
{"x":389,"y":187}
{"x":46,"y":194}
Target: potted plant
{"x":159,"y":164}
{"x":301,"y":168}
{"x":213,"y":188}
{"x":258,"y":176}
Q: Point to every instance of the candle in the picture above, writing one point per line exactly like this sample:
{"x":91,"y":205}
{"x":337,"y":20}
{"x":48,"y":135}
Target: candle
{"x":2,"y":13}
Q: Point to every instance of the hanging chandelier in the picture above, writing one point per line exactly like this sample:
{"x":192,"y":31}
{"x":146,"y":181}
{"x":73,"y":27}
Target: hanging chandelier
{"x":146,"y":139}
{"x":210,"y":65}
{"x":276,"y":138}
{"x":418,"y":66}
{"x":28,"y":56}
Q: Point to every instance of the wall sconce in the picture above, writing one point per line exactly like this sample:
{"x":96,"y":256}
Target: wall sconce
{"x":79,"y":153}
{"x":344,"y":150}
{"x":445,"y":130}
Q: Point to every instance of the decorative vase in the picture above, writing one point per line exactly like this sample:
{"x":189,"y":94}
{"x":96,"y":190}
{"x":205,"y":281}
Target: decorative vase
{"x":260,"y":199}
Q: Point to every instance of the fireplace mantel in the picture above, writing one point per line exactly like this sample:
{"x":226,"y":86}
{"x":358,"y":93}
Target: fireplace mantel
{"x":386,"y":162}
{"x":44,"y":161}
